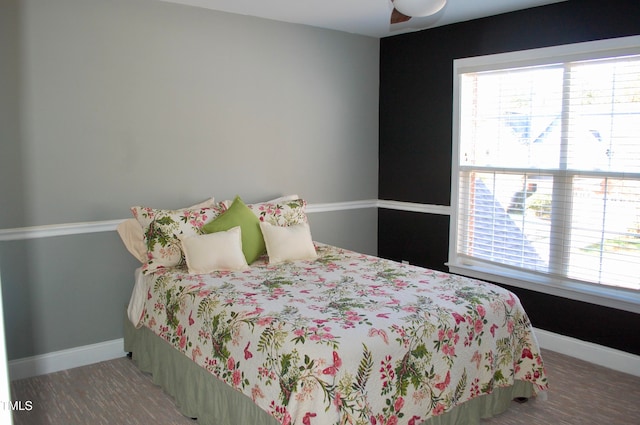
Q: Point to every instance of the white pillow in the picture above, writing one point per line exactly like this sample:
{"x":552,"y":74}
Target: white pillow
{"x":214,"y":251}
{"x":288,"y":243}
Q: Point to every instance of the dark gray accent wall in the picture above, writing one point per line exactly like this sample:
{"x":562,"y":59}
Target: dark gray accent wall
{"x":415,"y":237}
{"x":109,"y":104}
{"x":416,"y":102}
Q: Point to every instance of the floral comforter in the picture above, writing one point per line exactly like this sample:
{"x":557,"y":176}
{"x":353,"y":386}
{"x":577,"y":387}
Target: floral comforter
{"x":346,"y":338}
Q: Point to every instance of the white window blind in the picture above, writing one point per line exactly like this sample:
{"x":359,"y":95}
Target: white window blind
{"x":547,"y":168}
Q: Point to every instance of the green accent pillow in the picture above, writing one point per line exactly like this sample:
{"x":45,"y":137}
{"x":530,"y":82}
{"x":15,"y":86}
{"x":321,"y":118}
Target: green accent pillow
{"x":239,"y":214}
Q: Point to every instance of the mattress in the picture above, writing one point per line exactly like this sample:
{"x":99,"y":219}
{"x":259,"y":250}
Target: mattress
{"x":345,"y":338}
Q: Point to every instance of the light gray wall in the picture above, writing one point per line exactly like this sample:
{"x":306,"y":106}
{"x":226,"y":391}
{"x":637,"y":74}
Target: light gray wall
{"x":11,"y":177}
{"x":107,"y":104}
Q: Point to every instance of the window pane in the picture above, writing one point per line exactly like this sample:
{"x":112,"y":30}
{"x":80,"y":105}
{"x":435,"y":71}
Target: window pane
{"x":605,"y":115}
{"x":605,"y":236}
{"x":509,"y":222}
{"x":509,"y":118}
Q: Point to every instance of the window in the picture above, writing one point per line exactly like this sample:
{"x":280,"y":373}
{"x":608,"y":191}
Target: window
{"x":546,"y":172}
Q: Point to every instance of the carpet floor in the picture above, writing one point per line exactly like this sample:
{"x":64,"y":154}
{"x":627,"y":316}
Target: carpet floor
{"x":116,"y":392}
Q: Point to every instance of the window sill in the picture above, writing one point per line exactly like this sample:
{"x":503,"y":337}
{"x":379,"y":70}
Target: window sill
{"x":606,"y":296}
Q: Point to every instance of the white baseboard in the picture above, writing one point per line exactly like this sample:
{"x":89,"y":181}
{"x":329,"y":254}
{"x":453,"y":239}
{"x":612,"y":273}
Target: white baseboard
{"x":66,"y":359}
{"x":108,"y":350}
{"x":589,"y":352}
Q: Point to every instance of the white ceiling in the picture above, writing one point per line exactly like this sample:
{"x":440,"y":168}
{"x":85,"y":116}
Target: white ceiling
{"x":366,"y":17}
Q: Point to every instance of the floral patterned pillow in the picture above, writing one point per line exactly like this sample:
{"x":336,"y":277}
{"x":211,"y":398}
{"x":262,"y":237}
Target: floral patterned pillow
{"x":164,"y":229}
{"x":281,"y":213}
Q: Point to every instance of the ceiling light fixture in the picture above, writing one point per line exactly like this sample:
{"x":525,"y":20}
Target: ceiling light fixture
{"x":418,"y":8}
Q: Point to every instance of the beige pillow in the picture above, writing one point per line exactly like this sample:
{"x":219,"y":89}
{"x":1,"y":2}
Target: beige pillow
{"x":288,"y":243}
{"x":132,"y":236}
{"x":214,"y":251}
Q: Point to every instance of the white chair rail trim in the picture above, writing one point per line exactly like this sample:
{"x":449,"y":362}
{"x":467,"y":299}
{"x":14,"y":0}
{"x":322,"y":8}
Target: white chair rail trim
{"x":50,"y":230}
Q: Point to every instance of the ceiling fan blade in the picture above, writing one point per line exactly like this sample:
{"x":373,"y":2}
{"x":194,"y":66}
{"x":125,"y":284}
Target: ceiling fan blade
{"x":397,"y":17}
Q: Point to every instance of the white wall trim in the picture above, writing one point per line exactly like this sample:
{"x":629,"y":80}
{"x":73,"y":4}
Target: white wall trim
{"x":414,"y":207}
{"x":49,"y":230}
{"x":65,"y":359}
{"x":341,"y":206}
{"x":589,"y":352}
{"x":108,"y":350}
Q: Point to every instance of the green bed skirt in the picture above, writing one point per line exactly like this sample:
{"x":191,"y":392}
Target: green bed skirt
{"x":198,"y":394}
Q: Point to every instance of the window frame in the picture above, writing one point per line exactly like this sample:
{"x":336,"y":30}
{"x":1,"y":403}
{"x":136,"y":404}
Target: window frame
{"x":609,"y":296}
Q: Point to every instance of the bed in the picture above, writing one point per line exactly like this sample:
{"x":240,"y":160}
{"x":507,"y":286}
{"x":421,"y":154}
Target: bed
{"x":324,"y":335}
